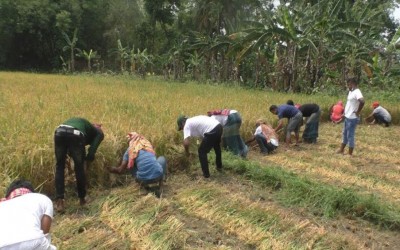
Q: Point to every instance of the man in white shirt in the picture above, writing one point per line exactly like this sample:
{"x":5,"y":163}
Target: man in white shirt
{"x":25,"y":218}
{"x":355,"y":103}
{"x":210,"y":131}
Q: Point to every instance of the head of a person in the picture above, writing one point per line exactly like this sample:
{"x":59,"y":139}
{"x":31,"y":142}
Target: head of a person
{"x":181,"y":121}
{"x":273,"y":109}
{"x":298,"y":105}
{"x":19,"y":183}
{"x":259,"y":122}
{"x":352,"y":83}
{"x":375,"y":104}
{"x":99,"y":128}
{"x":290,"y":102}
{"x":340,"y":103}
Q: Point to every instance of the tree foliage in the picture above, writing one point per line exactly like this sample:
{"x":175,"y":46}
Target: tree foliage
{"x":294,"y":46}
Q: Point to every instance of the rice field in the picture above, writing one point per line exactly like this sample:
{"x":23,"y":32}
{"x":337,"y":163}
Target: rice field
{"x":230,"y":211}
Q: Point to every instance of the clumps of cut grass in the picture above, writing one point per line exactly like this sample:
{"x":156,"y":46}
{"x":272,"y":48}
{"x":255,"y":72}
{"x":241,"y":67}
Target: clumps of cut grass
{"x":262,"y":227}
{"x":145,"y":220}
{"x":324,"y":199}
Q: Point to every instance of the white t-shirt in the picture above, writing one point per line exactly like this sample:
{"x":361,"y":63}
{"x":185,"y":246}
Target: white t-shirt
{"x":352,"y":104}
{"x":222,"y":119}
{"x":20,"y":218}
{"x":383,"y":112}
{"x":199,"y":125}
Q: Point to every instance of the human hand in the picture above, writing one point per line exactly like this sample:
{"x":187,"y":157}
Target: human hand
{"x":114,"y":170}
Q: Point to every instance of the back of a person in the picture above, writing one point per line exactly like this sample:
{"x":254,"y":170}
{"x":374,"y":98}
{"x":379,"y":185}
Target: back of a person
{"x":147,"y":166}
{"x":383,"y":112}
{"x":308,"y":109}
{"x":337,"y":112}
{"x":20,"y":218}
{"x":198,"y":125}
{"x":268,"y":131}
{"x":287,"y":111}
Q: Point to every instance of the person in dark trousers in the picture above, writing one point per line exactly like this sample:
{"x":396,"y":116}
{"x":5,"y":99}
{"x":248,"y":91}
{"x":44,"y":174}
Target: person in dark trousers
{"x":312,"y":112}
{"x":210,"y":130}
{"x":266,"y":137}
{"x":71,"y":137}
{"x":379,"y":115}
{"x":294,"y":116}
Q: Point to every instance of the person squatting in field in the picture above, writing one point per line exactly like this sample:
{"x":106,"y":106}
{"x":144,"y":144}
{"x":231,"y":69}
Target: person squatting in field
{"x":231,"y":139}
{"x":294,"y":116}
{"x":71,"y":137}
{"x":210,"y":131}
{"x":336,"y":112}
{"x":379,"y":115}
{"x":140,"y":160}
{"x":25,"y":218}
{"x":355,"y":103}
{"x":265,"y":136}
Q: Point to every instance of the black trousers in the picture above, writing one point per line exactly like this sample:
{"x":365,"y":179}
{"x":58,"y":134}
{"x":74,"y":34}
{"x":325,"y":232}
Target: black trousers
{"x":74,"y":145}
{"x":380,"y":119}
{"x":211,"y":140}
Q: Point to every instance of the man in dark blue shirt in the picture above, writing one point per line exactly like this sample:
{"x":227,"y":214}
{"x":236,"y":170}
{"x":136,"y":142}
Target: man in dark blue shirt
{"x":293,"y":115}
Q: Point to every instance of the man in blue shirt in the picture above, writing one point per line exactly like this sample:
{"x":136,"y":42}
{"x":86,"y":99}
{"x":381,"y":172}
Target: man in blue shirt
{"x":293,"y":115}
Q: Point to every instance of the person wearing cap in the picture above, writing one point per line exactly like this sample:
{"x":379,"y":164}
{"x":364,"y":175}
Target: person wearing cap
{"x":231,"y":121}
{"x":336,"y":112}
{"x":294,"y":116}
{"x":140,"y":160}
{"x":210,"y":131}
{"x":312,"y":113}
{"x":265,"y":136}
{"x":354,"y":105}
{"x":379,"y":115}
{"x":25,"y":218}
{"x":71,"y":137}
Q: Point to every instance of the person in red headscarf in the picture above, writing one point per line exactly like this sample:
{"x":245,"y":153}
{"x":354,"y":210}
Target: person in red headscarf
{"x":336,"y":112}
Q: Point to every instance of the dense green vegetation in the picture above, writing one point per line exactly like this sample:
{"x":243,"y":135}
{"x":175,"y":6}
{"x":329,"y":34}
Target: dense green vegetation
{"x":306,"y":46}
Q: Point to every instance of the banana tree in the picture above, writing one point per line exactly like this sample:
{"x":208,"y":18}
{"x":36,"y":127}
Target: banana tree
{"x":122,"y":54}
{"x":88,"y":56}
{"x":71,"y":46}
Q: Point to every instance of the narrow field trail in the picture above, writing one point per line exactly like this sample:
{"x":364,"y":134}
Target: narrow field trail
{"x":224,"y":212}
{"x":374,"y":169}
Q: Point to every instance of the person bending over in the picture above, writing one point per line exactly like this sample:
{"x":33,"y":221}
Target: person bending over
{"x":25,"y":218}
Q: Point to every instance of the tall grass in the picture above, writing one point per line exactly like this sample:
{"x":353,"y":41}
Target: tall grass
{"x":33,"y":105}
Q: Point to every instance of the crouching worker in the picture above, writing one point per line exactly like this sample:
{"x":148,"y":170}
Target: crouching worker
{"x":25,"y":218}
{"x":140,"y":159}
{"x":266,"y":137}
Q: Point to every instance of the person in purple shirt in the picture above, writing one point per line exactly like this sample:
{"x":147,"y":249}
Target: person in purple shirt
{"x":294,"y":117}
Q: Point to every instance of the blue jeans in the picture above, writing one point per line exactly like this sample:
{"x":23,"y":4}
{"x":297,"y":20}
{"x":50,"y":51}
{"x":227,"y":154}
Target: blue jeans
{"x":349,"y":131}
